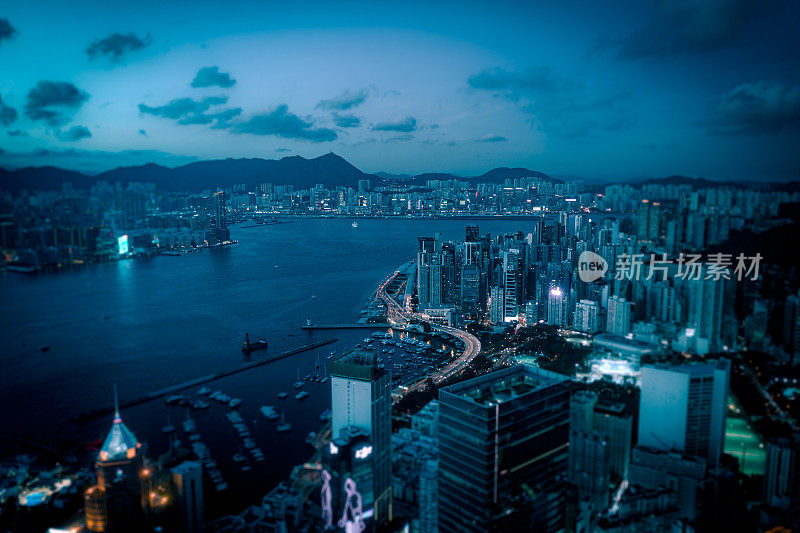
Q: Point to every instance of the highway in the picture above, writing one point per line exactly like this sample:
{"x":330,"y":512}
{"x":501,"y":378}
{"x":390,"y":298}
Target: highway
{"x":395,"y":312}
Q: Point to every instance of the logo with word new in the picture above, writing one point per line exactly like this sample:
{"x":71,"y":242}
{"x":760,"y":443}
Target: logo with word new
{"x":591,"y":267}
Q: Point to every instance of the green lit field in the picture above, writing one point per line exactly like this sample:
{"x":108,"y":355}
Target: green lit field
{"x":742,"y":442}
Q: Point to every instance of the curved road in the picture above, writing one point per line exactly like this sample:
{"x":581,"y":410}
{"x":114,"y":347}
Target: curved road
{"x":472,"y":346}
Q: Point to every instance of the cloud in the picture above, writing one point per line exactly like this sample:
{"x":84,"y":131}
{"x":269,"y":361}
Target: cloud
{"x":7,"y":114}
{"x":212,"y":77}
{"x":346,"y":121}
{"x":142,"y":132}
{"x":283,"y":150}
{"x":557,"y":104}
{"x":75,"y":133}
{"x":687,"y":26}
{"x":50,"y":100}
{"x":187,"y":111}
{"x":492,"y":139}
{"x":92,"y":160}
{"x":7,"y":31}
{"x":281,"y":123}
{"x":116,"y":45}
{"x":405,"y":125}
{"x":347,"y":100}
{"x":756,"y":108}
{"x":512,"y":83}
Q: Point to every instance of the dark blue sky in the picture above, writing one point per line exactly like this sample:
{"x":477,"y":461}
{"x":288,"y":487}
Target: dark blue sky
{"x":612,"y":90}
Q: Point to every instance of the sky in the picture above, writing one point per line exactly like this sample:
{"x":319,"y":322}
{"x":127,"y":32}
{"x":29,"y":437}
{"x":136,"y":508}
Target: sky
{"x":601,"y":90}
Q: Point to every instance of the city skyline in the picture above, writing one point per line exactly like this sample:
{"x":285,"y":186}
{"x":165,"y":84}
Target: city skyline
{"x":658,"y":89}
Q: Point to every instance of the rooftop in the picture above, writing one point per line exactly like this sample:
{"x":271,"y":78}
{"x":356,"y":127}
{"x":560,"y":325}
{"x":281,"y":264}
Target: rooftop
{"x":505,"y":385}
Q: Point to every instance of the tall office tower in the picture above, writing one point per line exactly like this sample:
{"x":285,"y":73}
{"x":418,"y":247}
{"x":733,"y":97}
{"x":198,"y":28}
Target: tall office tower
{"x":496,"y":305}
{"x":556,"y":307}
{"x":117,"y":502}
{"x":429,"y":496}
{"x":586,"y":317}
{"x":470,"y":289}
{"x":782,"y":472}
{"x":472,"y":234}
{"x":449,"y":282}
{"x":684,"y":407}
{"x":619,"y":316}
{"x":361,"y":397}
{"x":512,"y":284}
{"x":503,"y":441}
{"x":642,"y":219}
{"x":615,"y":421}
{"x":348,"y":492}
{"x":220,"y":205}
{"x":187,"y":478}
{"x":705,"y":312}
{"x":589,"y":466}
{"x":429,"y":272}
{"x":581,"y":410}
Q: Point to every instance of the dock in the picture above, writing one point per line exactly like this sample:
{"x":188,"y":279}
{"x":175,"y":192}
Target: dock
{"x":364,"y":325}
{"x":202,"y":380}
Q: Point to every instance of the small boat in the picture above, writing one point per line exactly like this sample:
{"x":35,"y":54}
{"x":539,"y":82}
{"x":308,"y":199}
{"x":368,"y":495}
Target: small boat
{"x":239,"y":458}
{"x":175,"y":398}
{"x":204,"y":391}
{"x":269,"y":412}
{"x":283,"y":395}
{"x":248,"y":346}
{"x":324,"y":379}
{"x":188,"y":425}
{"x":354,"y":224}
{"x":325,"y":416}
{"x":284,"y":425}
{"x":302,"y":395}
{"x":235,"y":402}
{"x":298,"y":384}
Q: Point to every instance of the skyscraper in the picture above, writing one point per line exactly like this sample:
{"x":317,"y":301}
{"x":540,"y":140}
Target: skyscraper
{"x":556,"y":307}
{"x":586,"y":316}
{"x":361,"y":398}
{"x":705,"y":311}
{"x":503,"y":443}
{"x":684,"y":408}
{"x":619,"y":316}
{"x":187,"y":478}
{"x":512,"y":284}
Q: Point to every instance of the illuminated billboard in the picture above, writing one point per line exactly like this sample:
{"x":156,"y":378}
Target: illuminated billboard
{"x":122,"y":243}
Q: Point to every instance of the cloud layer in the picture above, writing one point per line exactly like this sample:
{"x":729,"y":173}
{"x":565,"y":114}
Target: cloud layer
{"x":280,"y":122}
{"x":405,"y":125}
{"x":7,"y":31}
{"x":7,"y":114}
{"x":688,"y":26}
{"x":756,"y":108}
{"x":346,"y":121}
{"x":347,"y":100}
{"x":75,"y":133}
{"x":187,"y":111}
{"x":53,"y":101}
{"x":116,"y":45}
{"x":212,"y":77}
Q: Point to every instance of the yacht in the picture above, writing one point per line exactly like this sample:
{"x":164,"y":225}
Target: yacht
{"x":283,"y":395}
{"x":299,"y":383}
{"x":204,"y":391}
{"x":235,"y":402}
{"x":301,"y":395}
{"x":269,"y":412}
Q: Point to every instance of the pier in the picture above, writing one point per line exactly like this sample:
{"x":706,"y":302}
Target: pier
{"x":202,"y":380}
{"x":362,"y":325}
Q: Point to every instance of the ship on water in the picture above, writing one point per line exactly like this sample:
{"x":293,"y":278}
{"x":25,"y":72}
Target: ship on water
{"x":248,"y":346}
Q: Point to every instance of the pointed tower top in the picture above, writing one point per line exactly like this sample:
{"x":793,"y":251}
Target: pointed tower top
{"x":116,"y":403}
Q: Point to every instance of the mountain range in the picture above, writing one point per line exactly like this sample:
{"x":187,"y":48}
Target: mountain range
{"x":329,"y":170}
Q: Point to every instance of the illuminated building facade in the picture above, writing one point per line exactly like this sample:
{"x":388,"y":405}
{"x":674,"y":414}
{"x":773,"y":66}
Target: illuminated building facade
{"x":117,"y":503}
{"x":361,"y":398}
{"x":503,"y":442}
